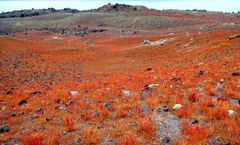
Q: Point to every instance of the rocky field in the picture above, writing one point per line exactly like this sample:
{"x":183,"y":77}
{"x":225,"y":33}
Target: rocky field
{"x":120,"y":74}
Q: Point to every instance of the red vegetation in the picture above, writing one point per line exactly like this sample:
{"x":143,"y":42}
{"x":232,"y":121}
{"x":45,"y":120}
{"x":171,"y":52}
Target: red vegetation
{"x":128,"y":139}
{"x":69,"y":122}
{"x":100,"y":113}
{"x":32,"y":139}
{"x":193,"y":134}
{"x":91,"y":136}
{"x":146,"y":126}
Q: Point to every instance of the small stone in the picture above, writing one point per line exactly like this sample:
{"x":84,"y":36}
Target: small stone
{"x":23,"y":102}
{"x":231,"y":113}
{"x":201,"y":72}
{"x":4,"y":128}
{"x":235,"y":73}
{"x":49,"y":118}
{"x":107,"y":104}
{"x":146,"y":42}
{"x":59,"y":101}
{"x":33,"y":116}
{"x":35,"y":93}
{"x":166,"y":139}
{"x":222,"y":81}
{"x":149,"y":69}
{"x":159,"y":110}
{"x":194,"y":121}
{"x":62,"y":108}
{"x":176,"y":79}
{"x":70,"y":102}
{"x":211,"y":105}
{"x":9,"y":92}
{"x":177,"y":106}
{"x":145,"y":95}
{"x":73,"y":93}
{"x":39,"y":110}
{"x":126,"y":93}
{"x":150,"y":86}
{"x":165,"y":108}
{"x":64,"y":132}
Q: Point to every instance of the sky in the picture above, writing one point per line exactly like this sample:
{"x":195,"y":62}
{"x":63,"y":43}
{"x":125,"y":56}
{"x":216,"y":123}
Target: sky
{"x":211,"y":5}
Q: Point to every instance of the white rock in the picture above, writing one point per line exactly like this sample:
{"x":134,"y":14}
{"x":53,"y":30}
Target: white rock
{"x":73,"y":93}
{"x":153,"y":85}
{"x":177,"y":106}
{"x":126,"y":93}
{"x":231,"y":113}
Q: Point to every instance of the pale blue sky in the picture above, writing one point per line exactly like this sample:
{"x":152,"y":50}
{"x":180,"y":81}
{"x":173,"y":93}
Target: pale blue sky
{"x":211,"y":5}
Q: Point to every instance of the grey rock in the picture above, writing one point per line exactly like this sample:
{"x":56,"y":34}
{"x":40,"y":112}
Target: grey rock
{"x":167,"y":124}
{"x":33,"y":116}
{"x":145,"y":95}
{"x":144,"y":108}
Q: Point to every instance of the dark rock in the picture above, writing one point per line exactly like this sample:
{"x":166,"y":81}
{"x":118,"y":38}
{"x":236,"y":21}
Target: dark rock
{"x":176,"y":79}
{"x":235,"y":73}
{"x":194,"y":121}
{"x":165,"y":108}
{"x":166,"y":139}
{"x":201,"y":72}
{"x":13,"y":115}
{"x":49,"y":118}
{"x":23,"y":102}
{"x":146,"y":42}
{"x":70,"y":102}
{"x":159,"y":110}
{"x":149,"y":69}
{"x":39,"y":110}
{"x":107,"y":104}
{"x":4,"y":128}
{"x":35,"y":93}
{"x":211,"y":105}
{"x":9,"y":92}
{"x":59,"y":101}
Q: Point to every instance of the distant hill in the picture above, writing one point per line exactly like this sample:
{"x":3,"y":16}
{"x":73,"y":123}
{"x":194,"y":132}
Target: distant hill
{"x":35,"y":12}
{"x":120,"y":7}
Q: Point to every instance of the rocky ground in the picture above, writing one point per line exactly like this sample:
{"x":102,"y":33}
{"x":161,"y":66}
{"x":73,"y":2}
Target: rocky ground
{"x":167,"y":86}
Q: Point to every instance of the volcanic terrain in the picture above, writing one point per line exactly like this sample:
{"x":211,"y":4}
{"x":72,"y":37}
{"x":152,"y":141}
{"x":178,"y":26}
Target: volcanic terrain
{"x":120,"y":74}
